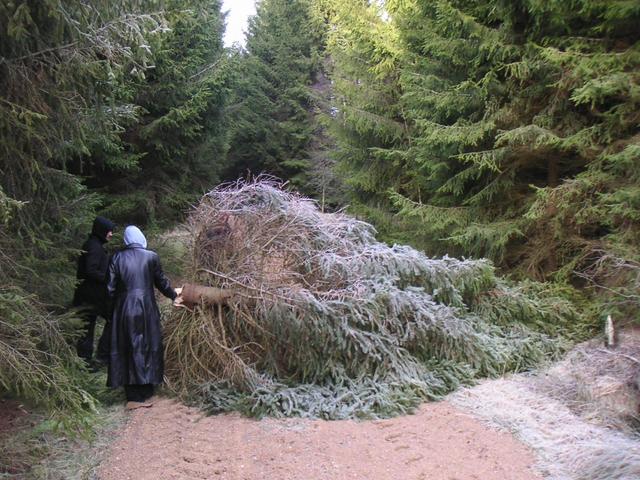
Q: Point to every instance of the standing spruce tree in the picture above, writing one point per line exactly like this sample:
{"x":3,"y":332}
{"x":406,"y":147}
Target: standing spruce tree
{"x":273,"y":118}
{"x":63,"y":65}
{"x":176,"y":148}
{"x":367,"y":119}
{"x":516,"y":127}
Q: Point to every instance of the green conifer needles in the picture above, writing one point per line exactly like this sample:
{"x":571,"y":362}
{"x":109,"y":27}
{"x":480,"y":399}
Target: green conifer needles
{"x":331,"y":323}
{"x":522,"y":116}
{"x":36,"y":361}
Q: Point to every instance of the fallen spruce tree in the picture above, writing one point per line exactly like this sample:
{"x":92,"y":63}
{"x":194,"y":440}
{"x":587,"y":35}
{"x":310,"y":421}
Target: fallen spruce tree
{"x":325,"y":321}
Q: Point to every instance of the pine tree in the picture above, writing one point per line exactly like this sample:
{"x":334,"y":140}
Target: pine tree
{"x":63,"y":65}
{"x":176,"y":148}
{"x":60,"y":64}
{"x":366,"y":120}
{"x":516,"y":129}
{"x":541,"y":105}
{"x":274,"y":112}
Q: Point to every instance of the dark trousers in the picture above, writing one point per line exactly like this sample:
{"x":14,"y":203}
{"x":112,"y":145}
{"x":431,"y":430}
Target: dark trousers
{"x":85,"y":342}
{"x":138,"y":393}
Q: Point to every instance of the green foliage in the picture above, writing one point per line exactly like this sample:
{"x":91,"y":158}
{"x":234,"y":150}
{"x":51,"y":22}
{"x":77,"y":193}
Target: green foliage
{"x":60,"y":62}
{"x":175,"y":147}
{"x":328,"y":322}
{"x":278,"y":91}
{"x":507,"y":130}
{"x":7,"y":207}
{"x":37,"y":362}
{"x":366,"y":119}
{"x":65,"y":69}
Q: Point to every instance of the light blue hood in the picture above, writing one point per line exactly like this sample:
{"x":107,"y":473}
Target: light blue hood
{"x":133,"y":234}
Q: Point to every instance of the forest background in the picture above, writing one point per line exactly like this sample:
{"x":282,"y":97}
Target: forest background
{"x":499,"y":129}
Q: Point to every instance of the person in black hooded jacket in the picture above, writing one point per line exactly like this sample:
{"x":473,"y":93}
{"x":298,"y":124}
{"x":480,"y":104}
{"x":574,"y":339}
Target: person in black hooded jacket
{"x":91,"y":292}
{"x":137,"y":361}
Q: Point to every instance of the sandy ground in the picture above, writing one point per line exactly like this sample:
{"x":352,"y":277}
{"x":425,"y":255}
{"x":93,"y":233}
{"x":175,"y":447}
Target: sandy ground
{"x":439,"y":442}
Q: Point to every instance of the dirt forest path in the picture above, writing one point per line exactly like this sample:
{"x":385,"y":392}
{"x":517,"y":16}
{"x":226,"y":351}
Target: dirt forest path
{"x":439,"y":442}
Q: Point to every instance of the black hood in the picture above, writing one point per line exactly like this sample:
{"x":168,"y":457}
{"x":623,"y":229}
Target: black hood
{"x":101,"y":226}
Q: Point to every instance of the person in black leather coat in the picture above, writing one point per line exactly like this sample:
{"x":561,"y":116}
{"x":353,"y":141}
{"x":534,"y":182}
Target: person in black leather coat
{"x":136,"y":338}
{"x":91,"y":292}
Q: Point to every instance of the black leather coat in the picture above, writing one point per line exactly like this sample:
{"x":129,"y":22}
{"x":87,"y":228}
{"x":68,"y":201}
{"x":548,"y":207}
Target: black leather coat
{"x":136,"y":336}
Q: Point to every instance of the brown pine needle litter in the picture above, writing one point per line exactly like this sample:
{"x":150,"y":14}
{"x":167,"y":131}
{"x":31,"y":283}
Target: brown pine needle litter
{"x":329,"y":322}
